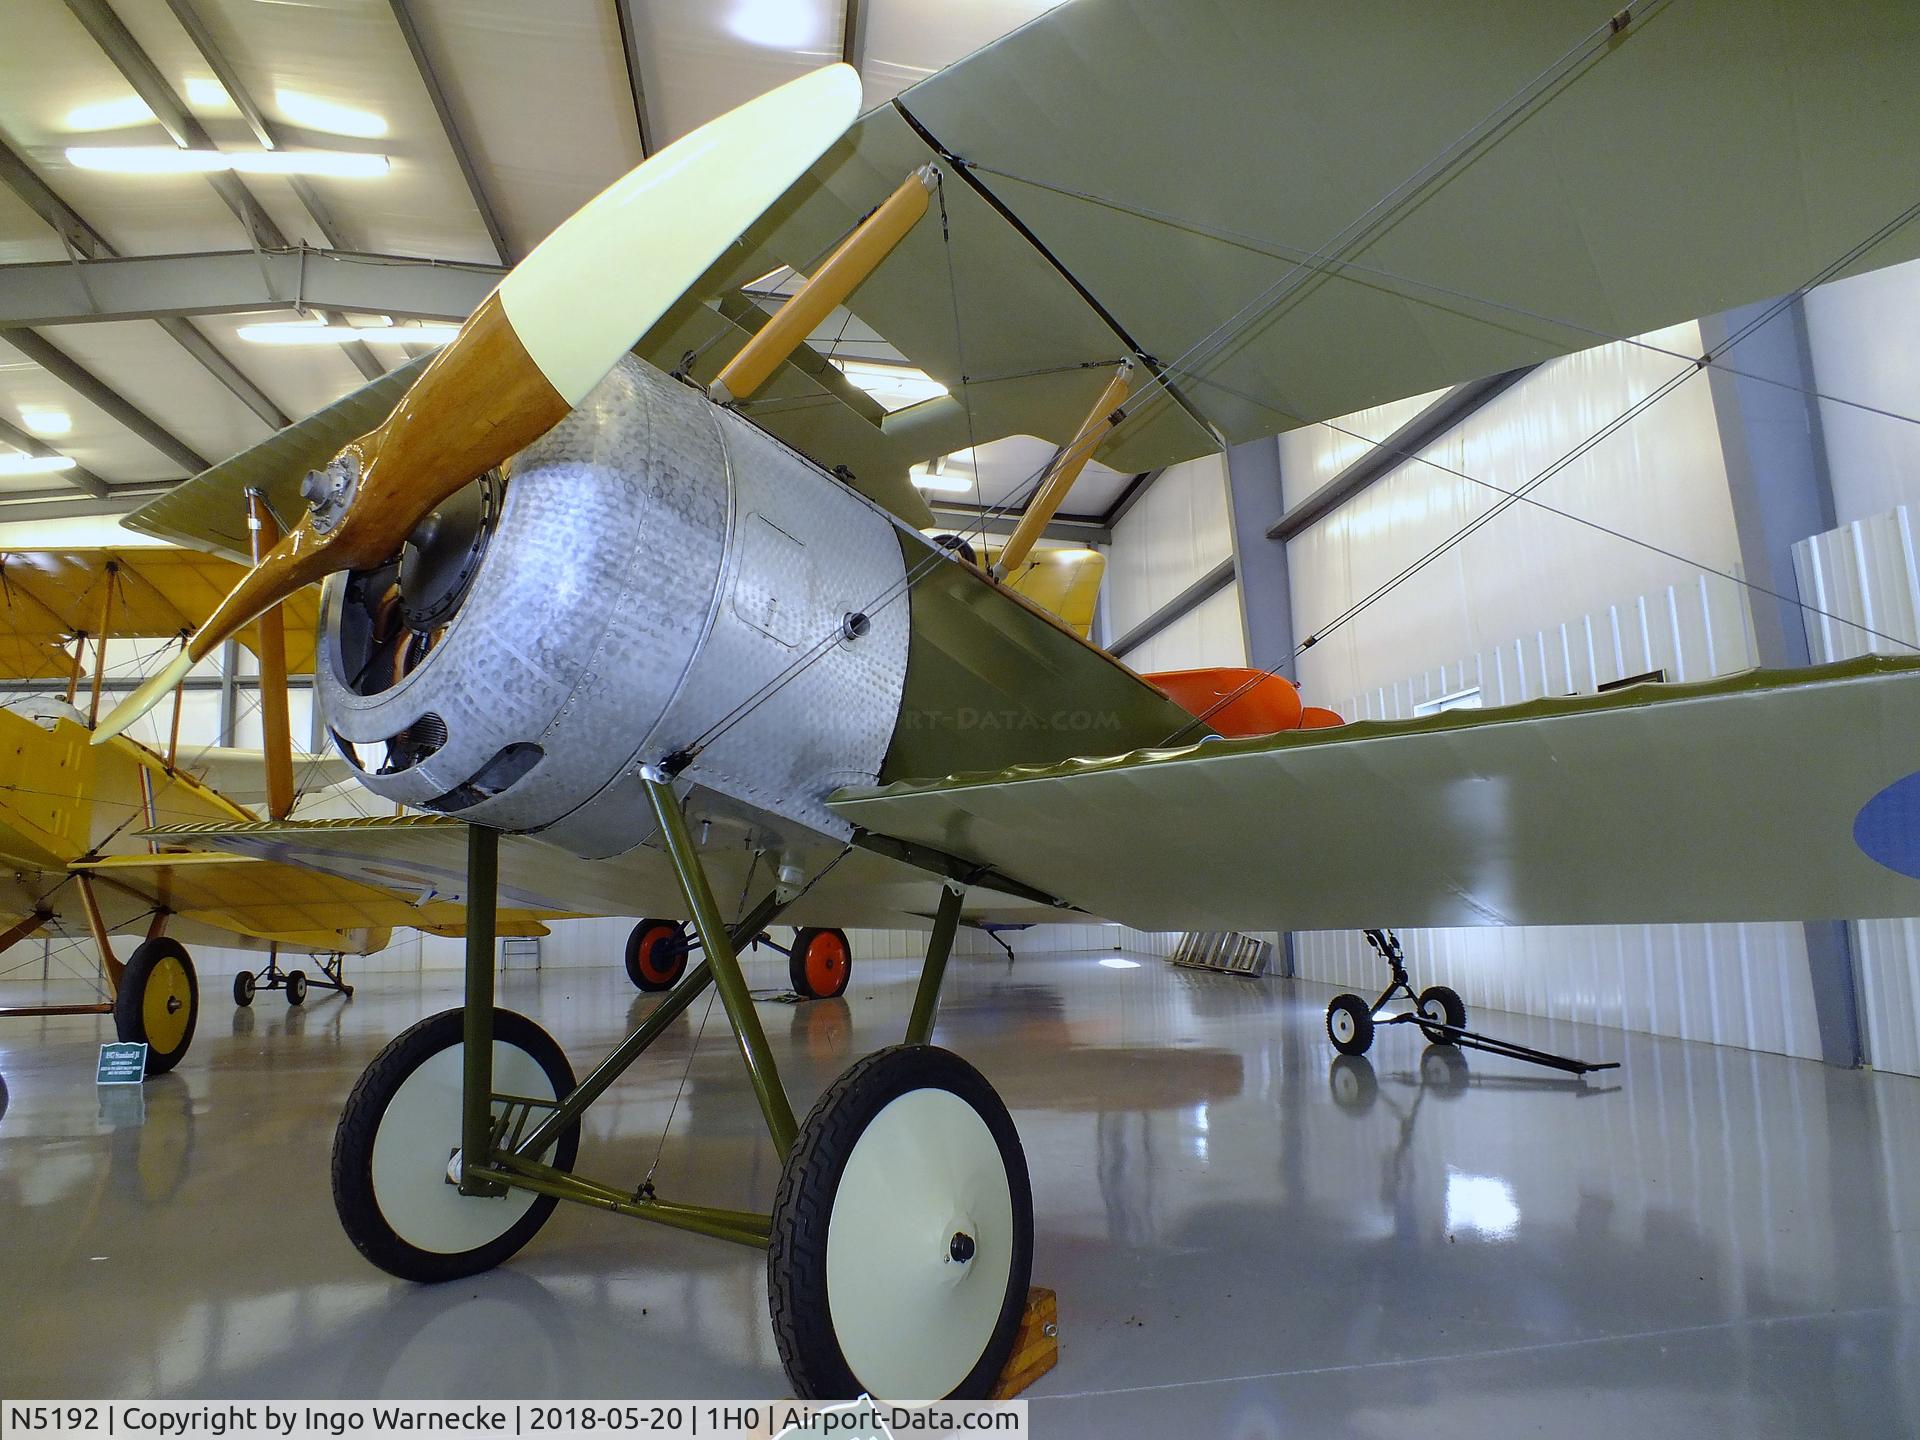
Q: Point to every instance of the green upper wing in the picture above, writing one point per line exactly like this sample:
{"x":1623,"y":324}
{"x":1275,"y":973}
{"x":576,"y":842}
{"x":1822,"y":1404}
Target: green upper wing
{"x":1737,"y":799}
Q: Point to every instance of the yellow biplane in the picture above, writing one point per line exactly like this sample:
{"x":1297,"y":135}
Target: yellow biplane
{"x":72,"y":814}
{"x":669,"y":622}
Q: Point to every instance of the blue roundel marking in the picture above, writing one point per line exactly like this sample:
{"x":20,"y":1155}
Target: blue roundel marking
{"x":1887,"y":829}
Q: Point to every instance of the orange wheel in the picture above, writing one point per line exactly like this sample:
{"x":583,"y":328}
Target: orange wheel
{"x":821,"y":963}
{"x":656,"y":954}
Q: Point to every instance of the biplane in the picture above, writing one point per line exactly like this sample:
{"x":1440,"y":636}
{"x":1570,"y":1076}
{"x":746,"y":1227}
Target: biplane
{"x":673,"y":640}
{"x":71,"y":814}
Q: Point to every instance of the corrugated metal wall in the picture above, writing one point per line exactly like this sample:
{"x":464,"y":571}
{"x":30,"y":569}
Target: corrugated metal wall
{"x":1863,"y":585}
{"x":1178,"y":530}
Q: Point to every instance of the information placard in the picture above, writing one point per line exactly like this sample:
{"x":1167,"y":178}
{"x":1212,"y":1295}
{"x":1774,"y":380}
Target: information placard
{"x":122,"y":1063}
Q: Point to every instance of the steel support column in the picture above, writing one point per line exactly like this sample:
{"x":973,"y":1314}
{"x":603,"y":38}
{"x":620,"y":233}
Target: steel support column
{"x":1255,"y":504}
{"x":1777,"y":479}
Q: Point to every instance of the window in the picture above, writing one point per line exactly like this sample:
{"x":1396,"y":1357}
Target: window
{"x":1458,"y":700}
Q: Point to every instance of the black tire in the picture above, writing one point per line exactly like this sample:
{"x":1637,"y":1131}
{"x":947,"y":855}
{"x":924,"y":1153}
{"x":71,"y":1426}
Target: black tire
{"x":820,"y":963}
{"x":296,"y":987}
{"x":656,"y":954}
{"x":803,"y":1209}
{"x":957,"y":545}
{"x":354,"y":1197}
{"x":1352,"y":1083}
{"x":163,"y":967}
{"x":244,"y":985}
{"x":1350,"y":1024}
{"x":1437,"y":1002}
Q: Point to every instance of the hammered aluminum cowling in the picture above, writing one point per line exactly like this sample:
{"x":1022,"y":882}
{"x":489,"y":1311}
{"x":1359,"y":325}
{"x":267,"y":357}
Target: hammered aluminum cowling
{"x":659,"y":563}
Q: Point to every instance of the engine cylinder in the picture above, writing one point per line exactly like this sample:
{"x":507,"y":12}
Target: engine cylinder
{"x":657,"y":569}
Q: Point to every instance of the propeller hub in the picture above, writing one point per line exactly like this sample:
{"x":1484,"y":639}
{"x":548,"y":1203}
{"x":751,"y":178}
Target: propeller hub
{"x":330,"y":491}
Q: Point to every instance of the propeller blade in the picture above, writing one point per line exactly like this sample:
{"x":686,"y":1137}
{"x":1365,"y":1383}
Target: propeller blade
{"x":550,"y":332}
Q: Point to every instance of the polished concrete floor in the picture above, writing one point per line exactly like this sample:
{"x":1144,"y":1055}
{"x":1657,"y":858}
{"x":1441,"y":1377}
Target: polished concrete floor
{"x":1248,"y":1239}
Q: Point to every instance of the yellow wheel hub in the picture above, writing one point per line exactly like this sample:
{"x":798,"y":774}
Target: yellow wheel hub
{"x":167,"y":1005}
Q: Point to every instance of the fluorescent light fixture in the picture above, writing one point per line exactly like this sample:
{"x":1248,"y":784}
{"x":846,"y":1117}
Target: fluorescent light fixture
{"x":776,"y":24}
{"x":170,"y":160}
{"x":300,"y":332}
{"x":1073,"y":554}
{"x":46,"y":422}
{"x":110,"y":114}
{"x":894,"y":386}
{"x":208,"y":93}
{"x":1115,"y":962}
{"x":14,"y":463}
{"x":943,"y":483}
{"x":313,"y":113}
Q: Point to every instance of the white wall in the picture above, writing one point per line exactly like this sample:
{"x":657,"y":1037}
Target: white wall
{"x":1862,"y":334}
{"x":1661,"y":478}
{"x":1178,"y":530}
{"x":1209,"y":634}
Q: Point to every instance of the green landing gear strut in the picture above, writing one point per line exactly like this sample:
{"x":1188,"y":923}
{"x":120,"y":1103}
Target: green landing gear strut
{"x":461,"y":1138}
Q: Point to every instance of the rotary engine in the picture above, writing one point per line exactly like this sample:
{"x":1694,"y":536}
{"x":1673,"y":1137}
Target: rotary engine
{"x":659,"y":577}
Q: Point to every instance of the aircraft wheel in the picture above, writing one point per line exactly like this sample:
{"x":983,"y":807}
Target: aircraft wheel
{"x":296,"y":987}
{"x":902,"y":1237}
{"x":392,"y":1150}
{"x":1437,"y":1002}
{"x":656,"y":954}
{"x":1350,"y":1024}
{"x":244,"y":985}
{"x":821,"y":963}
{"x":158,"y":1001}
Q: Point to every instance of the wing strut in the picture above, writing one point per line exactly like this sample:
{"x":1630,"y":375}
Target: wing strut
{"x":1065,"y":469}
{"x":276,"y":737}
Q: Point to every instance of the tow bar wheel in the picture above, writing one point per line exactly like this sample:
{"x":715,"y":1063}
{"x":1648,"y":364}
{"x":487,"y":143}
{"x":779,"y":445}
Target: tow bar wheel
{"x":1350,"y":1024}
{"x":656,"y":954}
{"x":820,"y":963}
{"x":396,"y":1139}
{"x":158,"y":1001}
{"x":902,"y":1234}
{"x":1439,"y":1002}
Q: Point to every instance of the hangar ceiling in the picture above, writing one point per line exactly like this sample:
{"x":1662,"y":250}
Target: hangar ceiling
{"x":496,"y":120}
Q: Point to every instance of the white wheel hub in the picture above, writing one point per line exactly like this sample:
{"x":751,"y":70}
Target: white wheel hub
{"x":1342,"y":1024}
{"x":419,"y":1129}
{"x":919,"y":1247}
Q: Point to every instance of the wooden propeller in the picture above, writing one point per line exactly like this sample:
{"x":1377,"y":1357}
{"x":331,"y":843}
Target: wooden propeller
{"x":549,"y":333}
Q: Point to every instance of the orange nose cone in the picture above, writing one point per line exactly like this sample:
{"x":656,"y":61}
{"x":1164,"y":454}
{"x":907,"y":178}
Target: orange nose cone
{"x":1318,"y":717}
{"x":1234,"y":701}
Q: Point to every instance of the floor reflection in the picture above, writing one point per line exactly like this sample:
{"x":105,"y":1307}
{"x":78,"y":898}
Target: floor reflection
{"x":1247,"y":1234}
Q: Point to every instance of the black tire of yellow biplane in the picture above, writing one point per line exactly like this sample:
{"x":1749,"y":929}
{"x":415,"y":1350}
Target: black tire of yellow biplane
{"x":296,"y":987}
{"x":355,"y":1196}
{"x":244,"y":986}
{"x":953,"y":1120}
{"x":820,"y":963}
{"x":1438,"y":1002}
{"x":158,"y":1002}
{"x":656,"y":954}
{"x":1350,"y":1024}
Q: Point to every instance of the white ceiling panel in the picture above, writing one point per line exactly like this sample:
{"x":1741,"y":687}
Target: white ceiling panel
{"x":908,"y":40}
{"x":541,"y":92}
{"x":1009,"y":466}
{"x":350,"y":54}
{"x":143,"y":364}
{"x":24,"y":236}
{"x":49,"y":67}
{"x":706,"y":56}
{"x":95,"y":440}
{"x":299,"y":379}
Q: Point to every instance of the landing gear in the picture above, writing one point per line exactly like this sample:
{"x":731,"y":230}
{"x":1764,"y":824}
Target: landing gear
{"x":902,"y":1233}
{"x":158,"y":1002}
{"x":820,"y":963}
{"x":1350,"y":1024}
{"x":901,"y":1241}
{"x":656,"y":954}
{"x":296,"y":983}
{"x":392,"y":1180}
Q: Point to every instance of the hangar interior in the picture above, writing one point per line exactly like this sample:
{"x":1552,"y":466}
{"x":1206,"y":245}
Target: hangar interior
{"x":1245,"y":1233}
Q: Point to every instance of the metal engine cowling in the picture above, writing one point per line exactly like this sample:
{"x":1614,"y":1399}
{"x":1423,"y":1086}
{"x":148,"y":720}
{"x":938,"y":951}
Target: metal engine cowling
{"x":653,"y":564}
